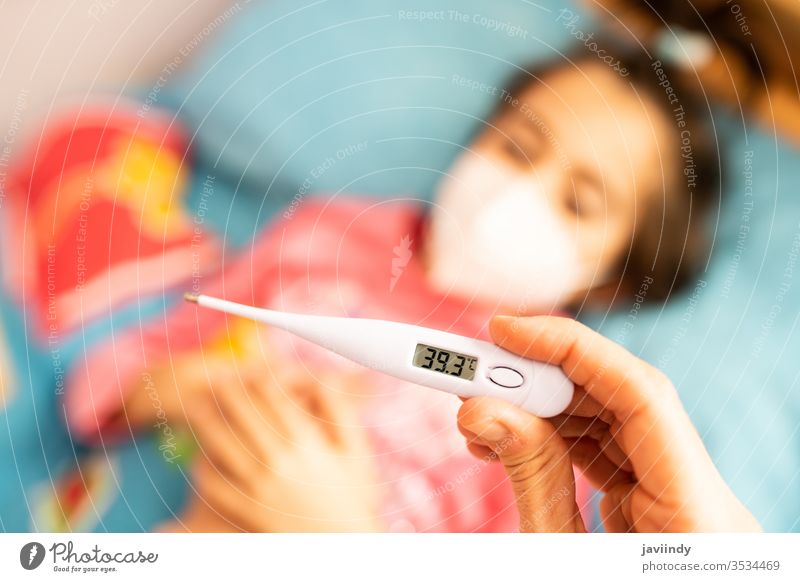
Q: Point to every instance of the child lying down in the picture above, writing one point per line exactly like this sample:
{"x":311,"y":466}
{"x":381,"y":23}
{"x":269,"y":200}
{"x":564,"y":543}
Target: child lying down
{"x":574,"y":194}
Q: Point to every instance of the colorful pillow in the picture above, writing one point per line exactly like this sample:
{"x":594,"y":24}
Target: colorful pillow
{"x":95,"y":216}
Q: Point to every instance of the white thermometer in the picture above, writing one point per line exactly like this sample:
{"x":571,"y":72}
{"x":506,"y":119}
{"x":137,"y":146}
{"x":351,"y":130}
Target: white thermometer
{"x":437,"y":359}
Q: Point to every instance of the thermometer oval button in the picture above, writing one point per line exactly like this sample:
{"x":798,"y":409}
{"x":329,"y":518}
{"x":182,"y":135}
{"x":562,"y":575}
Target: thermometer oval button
{"x":506,"y":377}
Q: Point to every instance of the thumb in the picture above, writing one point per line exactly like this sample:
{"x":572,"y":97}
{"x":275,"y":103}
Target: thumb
{"x":536,"y":460}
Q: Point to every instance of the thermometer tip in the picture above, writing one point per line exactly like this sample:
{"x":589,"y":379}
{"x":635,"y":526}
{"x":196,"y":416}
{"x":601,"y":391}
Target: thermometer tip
{"x":191,"y":297}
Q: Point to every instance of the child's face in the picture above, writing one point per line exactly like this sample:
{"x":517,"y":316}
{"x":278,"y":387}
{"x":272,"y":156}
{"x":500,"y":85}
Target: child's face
{"x":544,"y":204}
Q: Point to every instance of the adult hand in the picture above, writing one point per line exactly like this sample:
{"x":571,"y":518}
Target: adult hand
{"x":625,"y":429}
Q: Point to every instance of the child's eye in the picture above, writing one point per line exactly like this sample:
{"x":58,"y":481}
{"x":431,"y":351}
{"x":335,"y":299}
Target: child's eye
{"x":572,"y":205}
{"x":515,"y":151}
{"x":521,"y":151}
{"x":586,"y":199}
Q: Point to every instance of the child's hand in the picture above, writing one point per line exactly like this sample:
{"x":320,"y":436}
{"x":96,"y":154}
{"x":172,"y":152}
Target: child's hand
{"x":284,"y":457}
{"x":173,"y":385}
{"x":170,"y":390}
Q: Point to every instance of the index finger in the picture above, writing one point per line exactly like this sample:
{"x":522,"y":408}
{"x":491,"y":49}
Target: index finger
{"x":616,"y":379}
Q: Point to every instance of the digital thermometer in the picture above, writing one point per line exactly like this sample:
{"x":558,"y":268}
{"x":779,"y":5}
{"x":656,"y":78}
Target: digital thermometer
{"x":445,"y":361}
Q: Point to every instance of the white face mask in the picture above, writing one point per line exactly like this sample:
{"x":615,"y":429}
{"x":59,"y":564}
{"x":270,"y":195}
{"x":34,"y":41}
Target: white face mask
{"x":495,"y":236}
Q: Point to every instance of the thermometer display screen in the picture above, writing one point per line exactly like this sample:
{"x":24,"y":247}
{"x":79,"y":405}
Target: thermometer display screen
{"x":445,"y":361}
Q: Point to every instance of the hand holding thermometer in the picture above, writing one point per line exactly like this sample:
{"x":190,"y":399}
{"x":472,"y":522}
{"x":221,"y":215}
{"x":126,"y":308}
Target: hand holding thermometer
{"x":437,"y":359}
